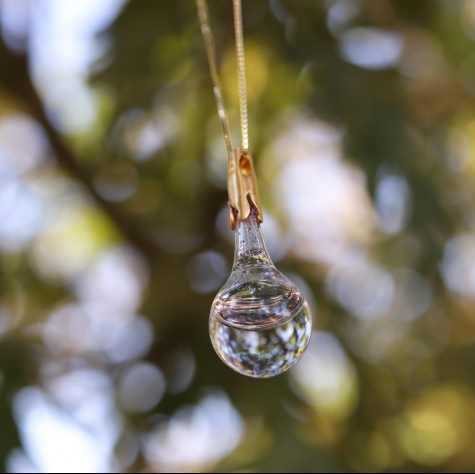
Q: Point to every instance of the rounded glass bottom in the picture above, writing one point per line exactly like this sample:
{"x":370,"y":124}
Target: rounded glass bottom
{"x":266,"y":352}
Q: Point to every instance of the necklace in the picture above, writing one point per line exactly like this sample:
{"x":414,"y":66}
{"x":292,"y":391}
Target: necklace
{"x":260,"y":324}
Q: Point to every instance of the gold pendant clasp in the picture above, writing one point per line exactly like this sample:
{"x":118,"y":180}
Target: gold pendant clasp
{"x":242,"y":187}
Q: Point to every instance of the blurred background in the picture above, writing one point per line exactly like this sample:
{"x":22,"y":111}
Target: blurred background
{"x":114,"y":235}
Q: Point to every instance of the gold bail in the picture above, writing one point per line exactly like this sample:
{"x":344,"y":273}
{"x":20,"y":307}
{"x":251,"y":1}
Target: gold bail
{"x":242,"y":187}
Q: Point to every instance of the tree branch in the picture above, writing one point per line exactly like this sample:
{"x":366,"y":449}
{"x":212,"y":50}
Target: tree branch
{"x":15,"y":79}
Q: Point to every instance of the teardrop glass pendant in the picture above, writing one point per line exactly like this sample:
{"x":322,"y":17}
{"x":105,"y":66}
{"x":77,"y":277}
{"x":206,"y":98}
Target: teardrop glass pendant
{"x":260,"y":324}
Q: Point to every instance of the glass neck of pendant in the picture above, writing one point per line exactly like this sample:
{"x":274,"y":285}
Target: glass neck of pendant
{"x":250,"y":246}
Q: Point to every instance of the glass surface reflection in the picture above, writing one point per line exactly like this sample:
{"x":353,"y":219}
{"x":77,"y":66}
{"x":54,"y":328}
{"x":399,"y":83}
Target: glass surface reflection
{"x":260,"y":324}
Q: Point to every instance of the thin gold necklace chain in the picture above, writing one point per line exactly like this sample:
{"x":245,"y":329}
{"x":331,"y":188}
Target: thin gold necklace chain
{"x":241,"y":74}
{"x":213,"y":67}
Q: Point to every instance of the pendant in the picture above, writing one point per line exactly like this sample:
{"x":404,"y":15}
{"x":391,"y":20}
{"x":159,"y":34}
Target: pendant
{"x":260,"y":324}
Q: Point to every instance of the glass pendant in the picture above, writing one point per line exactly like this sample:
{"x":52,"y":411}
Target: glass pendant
{"x":260,"y":324}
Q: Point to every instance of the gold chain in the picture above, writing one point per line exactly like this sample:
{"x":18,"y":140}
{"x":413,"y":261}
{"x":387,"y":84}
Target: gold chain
{"x":241,"y":74}
{"x":213,"y":66}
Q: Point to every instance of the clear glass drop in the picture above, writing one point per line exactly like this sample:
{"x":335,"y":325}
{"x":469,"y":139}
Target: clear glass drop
{"x":260,"y":324}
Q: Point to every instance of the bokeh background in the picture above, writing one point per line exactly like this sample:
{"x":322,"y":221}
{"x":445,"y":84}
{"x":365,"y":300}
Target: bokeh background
{"x":114,"y":235}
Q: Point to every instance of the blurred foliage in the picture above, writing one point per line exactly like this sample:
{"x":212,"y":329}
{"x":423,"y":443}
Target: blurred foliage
{"x":149,"y":175}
